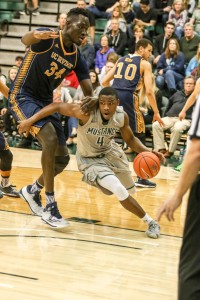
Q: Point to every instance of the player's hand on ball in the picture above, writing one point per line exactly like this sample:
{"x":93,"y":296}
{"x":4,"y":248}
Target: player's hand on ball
{"x":159,"y":155}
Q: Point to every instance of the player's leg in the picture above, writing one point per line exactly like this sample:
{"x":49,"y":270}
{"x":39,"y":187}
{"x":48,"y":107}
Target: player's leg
{"x":6,"y":158}
{"x":113,"y":184}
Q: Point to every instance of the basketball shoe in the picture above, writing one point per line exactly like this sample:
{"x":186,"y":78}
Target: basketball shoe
{"x":33,"y":200}
{"x":144,"y":183}
{"x":52,"y":216}
{"x":9,"y":191}
{"x":153,"y":230}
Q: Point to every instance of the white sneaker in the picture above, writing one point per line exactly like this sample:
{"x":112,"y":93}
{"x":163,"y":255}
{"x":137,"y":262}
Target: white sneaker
{"x":52,"y":216}
{"x":33,"y":200}
{"x":153,"y":230}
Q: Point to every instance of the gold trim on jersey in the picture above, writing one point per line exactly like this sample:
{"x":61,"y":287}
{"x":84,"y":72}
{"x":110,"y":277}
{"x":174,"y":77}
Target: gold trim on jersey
{"x":68,"y":53}
{"x":139,"y":117}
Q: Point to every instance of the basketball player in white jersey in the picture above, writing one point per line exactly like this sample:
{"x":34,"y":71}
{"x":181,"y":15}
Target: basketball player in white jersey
{"x":102,"y":161}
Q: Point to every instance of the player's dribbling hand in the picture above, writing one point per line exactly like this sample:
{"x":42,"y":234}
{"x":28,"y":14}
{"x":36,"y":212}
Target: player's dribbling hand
{"x":24,"y":127}
{"x":88,"y":104}
{"x":168,"y":208}
{"x":45,"y":35}
{"x":159,"y":155}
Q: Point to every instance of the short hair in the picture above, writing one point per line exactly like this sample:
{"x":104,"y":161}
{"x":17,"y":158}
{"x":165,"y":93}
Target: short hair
{"x":145,"y":2}
{"x":19,"y":57}
{"x":169,"y":23}
{"x":189,"y":77}
{"x":109,"y":91}
{"x":188,"y":24}
{"x":77,"y":11}
{"x":143,"y":43}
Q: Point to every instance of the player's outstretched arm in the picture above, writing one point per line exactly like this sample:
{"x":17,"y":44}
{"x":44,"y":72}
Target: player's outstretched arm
{"x":148,"y":83}
{"x":34,"y":37}
{"x":4,"y":89}
{"x":190,"y":169}
{"x":66,"y":109}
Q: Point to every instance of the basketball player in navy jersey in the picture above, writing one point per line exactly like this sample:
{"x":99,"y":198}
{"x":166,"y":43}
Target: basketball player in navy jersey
{"x":130,"y":73}
{"x":52,"y":55}
{"x":6,"y":158}
{"x":101,"y":161}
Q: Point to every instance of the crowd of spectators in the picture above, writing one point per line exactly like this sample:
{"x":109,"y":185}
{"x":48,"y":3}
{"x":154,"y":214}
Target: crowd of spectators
{"x":172,"y":26}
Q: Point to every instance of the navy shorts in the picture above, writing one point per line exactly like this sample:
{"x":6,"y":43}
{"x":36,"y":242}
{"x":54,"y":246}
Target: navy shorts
{"x":23,"y":107}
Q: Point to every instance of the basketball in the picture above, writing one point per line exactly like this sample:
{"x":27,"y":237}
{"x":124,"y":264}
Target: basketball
{"x":146,"y":165}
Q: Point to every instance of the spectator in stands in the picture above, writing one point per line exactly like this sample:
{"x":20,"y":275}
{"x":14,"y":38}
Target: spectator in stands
{"x":189,"y":6}
{"x":138,"y":33}
{"x":31,"y":5}
{"x":189,"y":42}
{"x":160,"y":42}
{"x":91,"y":17}
{"x":102,"y":53}
{"x":172,"y":122}
{"x":62,"y":21}
{"x":102,"y":8}
{"x":170,"y":67}
{"x":8,"y":120}
{"x":163,"y":8}
{"x":116,"y":14}
{"x":127,"y":11}
{"x":194,"y":63}
{"x":116,"y":38}
{"x":18,"y":61}
{"x":178,"y":15}
{"x":88,"y":52}
{"x":112,"y":58}
{"x":195,"y":19}
{"x":147,"y":17}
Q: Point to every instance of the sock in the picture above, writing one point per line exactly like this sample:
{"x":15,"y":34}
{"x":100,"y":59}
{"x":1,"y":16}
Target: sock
{"x":36,"y":187}
{"x":147,"y":219}
{"x":5,"y":181}
{"x":50,"y":198}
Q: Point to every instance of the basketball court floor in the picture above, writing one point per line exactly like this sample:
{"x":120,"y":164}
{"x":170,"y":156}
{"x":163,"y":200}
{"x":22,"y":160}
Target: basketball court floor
{"x":104,"y":254}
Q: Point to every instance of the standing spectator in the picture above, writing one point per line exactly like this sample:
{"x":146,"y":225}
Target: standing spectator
{"x":194,"y":62}
{"x":189,"y":42}
{"x":147,"y":17}
{"x":88,"y":52}
{"x":102,"y":8}
{"x":178,"y":15}
{"x":161,"y":40}
{"x":170,"y":67}
{"x":117,"y":39}
{"x":172,"y":122}
{"x":116,"y":14}
{"x":102,"y":53}
{"x":91,"y":17}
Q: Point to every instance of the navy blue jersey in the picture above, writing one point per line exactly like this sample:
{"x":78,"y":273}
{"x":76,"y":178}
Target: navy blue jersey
{"x":127,"y":75}
{"x":44,"y":67}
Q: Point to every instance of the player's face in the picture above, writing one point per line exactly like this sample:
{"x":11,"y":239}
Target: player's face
{"x":107,"y":106}
{"x":147,"y":52}
{"x":76,"y":29}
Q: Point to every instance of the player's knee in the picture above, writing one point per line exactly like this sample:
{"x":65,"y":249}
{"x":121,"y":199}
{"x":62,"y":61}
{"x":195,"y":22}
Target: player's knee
{"x":60,"y":163}
{"x":132,"y":190}
{"x":6,"y":157}
{"x":121,"y":192}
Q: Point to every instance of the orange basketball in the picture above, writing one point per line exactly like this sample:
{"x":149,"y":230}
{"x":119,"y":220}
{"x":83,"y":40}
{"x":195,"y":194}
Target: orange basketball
{"x":146,"y":165}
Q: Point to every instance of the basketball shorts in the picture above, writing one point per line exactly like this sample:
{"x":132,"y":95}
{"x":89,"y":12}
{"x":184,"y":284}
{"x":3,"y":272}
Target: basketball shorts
{"x":130,"y":104}
{"x":113,"y":163}
{"x":23,"y":107}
